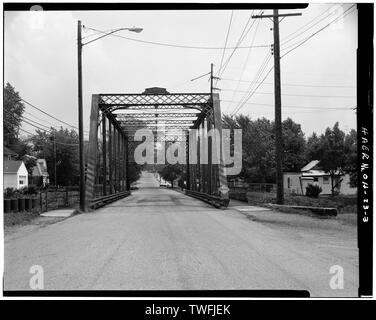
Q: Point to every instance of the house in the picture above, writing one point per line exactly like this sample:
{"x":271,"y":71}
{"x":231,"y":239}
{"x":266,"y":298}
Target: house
{"x":297,"y":182}
{"x":40,"y":174}
{"x":8,"y":154}
{"x":15,"y":174}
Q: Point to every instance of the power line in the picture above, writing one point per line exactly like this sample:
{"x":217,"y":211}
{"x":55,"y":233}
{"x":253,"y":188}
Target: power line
{"x":294,"y":84}
{"x":45,"y":121}
{"x":304,"y":31}
{"x":240,"y":40}
{"x":343,"y":15}
{"x":37,"y":124}
{"x":247,"y":58}
{"x":40,"y":110}
{"x":42,"y":129}
{"x":228,"y":32}
{"x":318,"y":31}
{"x":246,"y":98}
{"x":293,"y":95}
{"x":176,"y":45}
{"x":298,"y":107}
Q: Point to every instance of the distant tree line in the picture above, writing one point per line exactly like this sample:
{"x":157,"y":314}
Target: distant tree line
{"x":336,"y":150}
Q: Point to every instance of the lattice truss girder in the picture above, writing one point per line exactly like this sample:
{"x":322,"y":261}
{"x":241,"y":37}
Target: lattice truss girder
{"x":155,"y":111}
{"x":154,"y":99}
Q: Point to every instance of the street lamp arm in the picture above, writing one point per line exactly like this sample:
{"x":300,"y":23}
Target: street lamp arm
{"x":105,"y":35}
{"x":137,"y":30}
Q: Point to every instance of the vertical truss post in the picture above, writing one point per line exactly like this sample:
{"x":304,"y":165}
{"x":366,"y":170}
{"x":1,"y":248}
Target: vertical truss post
{"x":223,"y":189}
{"x":104,"y":153}
{"x":198,"y":165}
{"x":92,"y":151}
{"x":115,"y":160}
{"x":127,"y":182}
{"x":210,"y":169}
{"x":188,"y":171}
{"x":110,"y":156}
{"x":122,"y":163}
{"x":124,"y":167}
{"x":205,"y":150}
{"x":118,"y":162}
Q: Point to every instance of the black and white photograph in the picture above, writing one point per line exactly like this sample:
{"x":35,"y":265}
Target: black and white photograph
{"x":201,"y":150}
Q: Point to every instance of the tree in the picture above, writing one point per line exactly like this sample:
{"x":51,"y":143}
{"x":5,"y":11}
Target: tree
{"x":170,"y":172}
{"x":312,"y":147}
{"x":330,"y":150}
{"x":12,"y":115}
{"x":351,"y":156}
{"x":258,"y":147}
{"x":294,"y":146}
{"x":65,"y":142}
{"x":134,"y":172}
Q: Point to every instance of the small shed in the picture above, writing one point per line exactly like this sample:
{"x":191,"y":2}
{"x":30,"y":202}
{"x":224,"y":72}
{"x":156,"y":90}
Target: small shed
{"x":15,"y":174}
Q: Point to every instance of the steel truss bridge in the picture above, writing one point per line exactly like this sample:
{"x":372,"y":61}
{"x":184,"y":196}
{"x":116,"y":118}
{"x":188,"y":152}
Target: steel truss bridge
{"x":114,"y":120}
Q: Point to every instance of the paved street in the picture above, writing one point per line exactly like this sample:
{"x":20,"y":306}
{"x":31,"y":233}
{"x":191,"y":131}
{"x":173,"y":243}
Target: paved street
{"x":162,"y":239}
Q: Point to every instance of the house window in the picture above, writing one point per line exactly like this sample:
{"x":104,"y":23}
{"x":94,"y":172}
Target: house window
{"x":22,"y":180}
{"x":326,"y":180}
{"x":316,"y":179}
{"x":288,"y":182}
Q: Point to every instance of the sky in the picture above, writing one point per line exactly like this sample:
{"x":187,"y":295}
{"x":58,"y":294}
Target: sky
{"x":318,"y":77}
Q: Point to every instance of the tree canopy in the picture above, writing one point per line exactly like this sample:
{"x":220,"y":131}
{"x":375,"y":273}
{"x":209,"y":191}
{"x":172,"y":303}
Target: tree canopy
{"x":12,"y":115}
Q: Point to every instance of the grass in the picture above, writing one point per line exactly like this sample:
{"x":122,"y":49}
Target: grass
{"x":344,"y":204}
{"x":17,"y":218}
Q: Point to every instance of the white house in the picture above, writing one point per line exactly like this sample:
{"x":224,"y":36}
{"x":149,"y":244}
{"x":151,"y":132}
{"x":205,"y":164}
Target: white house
{"x":15,"y":174}
{"x":297,"y":182}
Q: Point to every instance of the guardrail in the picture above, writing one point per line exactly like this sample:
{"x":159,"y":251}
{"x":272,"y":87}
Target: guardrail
{"x":213,"y":200}
{"x":102,"y":201}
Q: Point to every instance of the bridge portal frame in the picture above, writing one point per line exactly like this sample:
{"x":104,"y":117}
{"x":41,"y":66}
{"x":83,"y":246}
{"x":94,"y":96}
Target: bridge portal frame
{"x":115,"y":118}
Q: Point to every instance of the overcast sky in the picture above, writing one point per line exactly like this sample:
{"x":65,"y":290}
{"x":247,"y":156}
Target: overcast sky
{"x":41,"y":61}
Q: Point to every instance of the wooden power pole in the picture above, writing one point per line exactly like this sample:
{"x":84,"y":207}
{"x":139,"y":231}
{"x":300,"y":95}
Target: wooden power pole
{"x":277,"y":99}
{"x":80,"y":118}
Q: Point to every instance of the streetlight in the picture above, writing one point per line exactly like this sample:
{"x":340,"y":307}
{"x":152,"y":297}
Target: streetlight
{"x":80,"y":112}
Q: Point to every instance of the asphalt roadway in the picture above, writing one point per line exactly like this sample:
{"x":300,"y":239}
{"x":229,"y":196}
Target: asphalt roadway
{"x":161,"y":239}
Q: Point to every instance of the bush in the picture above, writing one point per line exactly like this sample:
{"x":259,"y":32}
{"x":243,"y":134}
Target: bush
{"x":31,"y":189}
{"x":8,"y":193}
{"x":313,"y":190}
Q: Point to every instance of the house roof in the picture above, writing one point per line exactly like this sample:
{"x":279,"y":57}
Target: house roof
{"x":7,"y":151}
{"x":12,"y":166}
{"x":310,"y":165}
{"x":40,"y":168}
{"x":315,"y":173}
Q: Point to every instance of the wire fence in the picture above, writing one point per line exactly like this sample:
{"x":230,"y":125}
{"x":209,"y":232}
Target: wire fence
{"x":45,"y":200}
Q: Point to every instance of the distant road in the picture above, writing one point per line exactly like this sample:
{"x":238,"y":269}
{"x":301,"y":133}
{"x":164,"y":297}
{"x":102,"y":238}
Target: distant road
{"x":162,"y":239}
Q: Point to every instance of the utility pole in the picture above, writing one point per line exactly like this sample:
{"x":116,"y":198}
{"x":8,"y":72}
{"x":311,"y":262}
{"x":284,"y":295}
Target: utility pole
{"x":277,"y":100}
{"x":53,"y":138}
{"x":80,"y":118}
{"x":211,"y":81}
{"x":212,"y":77}
{"x":80,"y":113}
{"x":55,"y":159}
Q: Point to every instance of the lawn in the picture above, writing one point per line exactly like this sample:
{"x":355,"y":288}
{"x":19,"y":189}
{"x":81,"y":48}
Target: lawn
{"x":344,"y":204}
